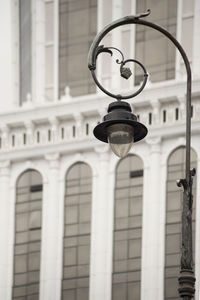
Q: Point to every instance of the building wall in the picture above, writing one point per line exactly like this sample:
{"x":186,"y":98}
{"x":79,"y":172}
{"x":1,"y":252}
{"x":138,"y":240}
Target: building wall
{"x":49,"y":134}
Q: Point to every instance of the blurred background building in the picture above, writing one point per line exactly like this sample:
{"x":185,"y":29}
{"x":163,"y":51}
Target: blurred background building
{"x":76,"y":222}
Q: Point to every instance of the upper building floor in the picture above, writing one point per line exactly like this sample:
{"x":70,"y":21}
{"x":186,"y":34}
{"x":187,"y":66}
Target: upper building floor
{"x":48,"y":96}
{"x":45,"y":46}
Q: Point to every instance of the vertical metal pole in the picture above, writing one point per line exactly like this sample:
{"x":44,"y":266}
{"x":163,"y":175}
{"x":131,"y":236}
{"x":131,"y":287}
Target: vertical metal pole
{"x":186,"y":278}
{"x":188,"y":126}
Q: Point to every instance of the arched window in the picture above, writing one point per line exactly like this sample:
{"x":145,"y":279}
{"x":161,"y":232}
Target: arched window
{"x":76,"y":241}
{"x":28,"y":225}
{"x":77,"y":29}
{"x":175,"y":171}
{"x":128,"y":229}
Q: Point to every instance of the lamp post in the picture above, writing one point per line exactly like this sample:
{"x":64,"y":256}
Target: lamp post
{"x":120,"y":129}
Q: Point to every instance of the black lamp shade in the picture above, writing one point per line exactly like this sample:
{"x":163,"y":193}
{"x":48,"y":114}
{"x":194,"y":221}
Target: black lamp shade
{"x":120,"y":112}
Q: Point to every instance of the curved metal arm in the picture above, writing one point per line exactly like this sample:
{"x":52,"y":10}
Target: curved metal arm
{"x":138,"y":20}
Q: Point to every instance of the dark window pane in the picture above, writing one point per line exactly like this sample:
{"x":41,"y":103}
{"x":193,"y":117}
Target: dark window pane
{"x":153,"y":49}
{"x":77,"y":29}
{"x":76,"y":241}
{"x":25,"y":32}
{"x":127,"y":229}
{"x":28,"y":217}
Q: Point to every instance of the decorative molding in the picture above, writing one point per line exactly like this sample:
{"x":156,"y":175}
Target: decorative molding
{"x":102,"y":148}
{"x":78,"y":118}
{"x":54,"y":127}
{"x":155,"y":144}
{"x":30,"y":127}
{"x":53,"y":160}
{"x":153,"y":140}
{"x":37,"y":120}
{"x":79,"y":157}
{"x":5,"y":168}
{"x":67,"y":96}
{"x":28,"y":103}
{"x":182,"y":106}
{"x":103,"y":152}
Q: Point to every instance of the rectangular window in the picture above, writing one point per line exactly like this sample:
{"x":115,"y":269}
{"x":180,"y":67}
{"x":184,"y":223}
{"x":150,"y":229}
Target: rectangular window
{"x":25,"y":34}
{"x":127,"y":229}
{"x":77,"y":29}
{"x":49,"y":48}
{"x":28,"y":220}
{"x":152,"y":48}
{"x":76,"y":240}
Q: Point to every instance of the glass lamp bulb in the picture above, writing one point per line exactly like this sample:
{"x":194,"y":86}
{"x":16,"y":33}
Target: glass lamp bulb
{"x":120,"y":138}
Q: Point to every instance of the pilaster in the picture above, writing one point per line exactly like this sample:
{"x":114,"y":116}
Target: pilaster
{"x":6,"y":56}
{"x":50,"y":257}
{"x":101,"y":254}
{"x":4,"y":229}
{"x":151,"y":222}
{"x":197,"y":236}
{"x":178,"y":60}
{"x":5,"y":135}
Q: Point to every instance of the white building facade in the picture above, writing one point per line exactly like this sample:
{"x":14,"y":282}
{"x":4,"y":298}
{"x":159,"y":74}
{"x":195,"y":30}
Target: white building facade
{"x":77,"y":223}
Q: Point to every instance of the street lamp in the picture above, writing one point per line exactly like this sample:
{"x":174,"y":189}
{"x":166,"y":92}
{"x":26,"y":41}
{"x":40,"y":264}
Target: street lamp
{"x":121,"y":129}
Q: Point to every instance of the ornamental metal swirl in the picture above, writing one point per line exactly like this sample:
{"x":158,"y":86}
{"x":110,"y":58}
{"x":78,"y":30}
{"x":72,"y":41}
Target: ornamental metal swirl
{"x":125,"y":72}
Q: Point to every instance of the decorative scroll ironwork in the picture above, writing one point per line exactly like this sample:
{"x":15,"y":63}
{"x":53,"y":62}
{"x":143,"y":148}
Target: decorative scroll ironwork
{"x":125,"y":72}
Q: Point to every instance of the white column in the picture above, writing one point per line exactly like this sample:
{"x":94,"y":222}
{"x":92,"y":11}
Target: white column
{"x":56,"y":49}
{"x":178,"y":60}
{"x":162,"y":221}
{"x":101,"y":243}
{"x":6,"y":58}
{"x":151,"y":252}
{"x":4,"y":227}
{"x":197,"y":239}
{"x":196,"y":40}
{"x":5,"y":136}
{"x":50,"y":250}
{"x":100,"y":16}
